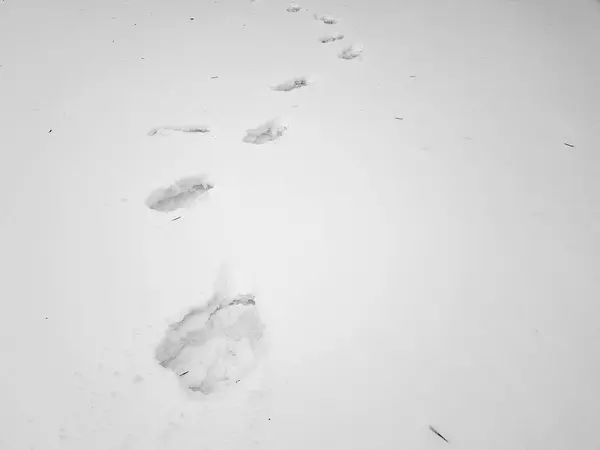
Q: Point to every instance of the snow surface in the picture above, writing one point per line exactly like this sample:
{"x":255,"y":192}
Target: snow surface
{"x":441,"y":270}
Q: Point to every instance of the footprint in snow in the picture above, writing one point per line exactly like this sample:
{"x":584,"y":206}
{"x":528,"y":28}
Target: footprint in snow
{"x":331,"y":38}
{"x":269,"y":131}
{"x":294,"y":7}
{"x":290,"y":85}
{"x":184,"y":129}
{"x":328,"y":20}
{"x":214,"y":346}
{"x":352,"y":52}
{"x":181,"y":194}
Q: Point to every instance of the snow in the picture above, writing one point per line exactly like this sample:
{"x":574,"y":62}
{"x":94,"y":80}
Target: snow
{"x":439,"y":271}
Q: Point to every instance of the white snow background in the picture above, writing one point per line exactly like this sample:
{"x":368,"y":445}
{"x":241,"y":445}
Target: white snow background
{"x":422,"y":244}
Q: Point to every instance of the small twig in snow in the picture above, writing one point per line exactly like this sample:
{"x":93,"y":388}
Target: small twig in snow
{"x":438,"y":433}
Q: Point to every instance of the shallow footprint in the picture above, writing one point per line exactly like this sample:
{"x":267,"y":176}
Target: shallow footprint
{"x":269,"y":131}
{"x":331,"y":38}
{"x":352,"y":52}
{"x":182,"y":193}
{"x":290,"y":85}
{"x":183,"y":129}
{"x":326,"y":19}
{"x":214,"y":346}
{"x":294,"y":7}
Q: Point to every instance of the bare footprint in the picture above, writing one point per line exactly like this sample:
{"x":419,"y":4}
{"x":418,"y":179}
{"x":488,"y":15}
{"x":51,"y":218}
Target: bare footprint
{"x":290,"y":85}
{"x":352,"y":52}
{"x":331,"y":38}
{"x":183,"y":129}
{"x":182,"y":193}
{"x":269,"y":131}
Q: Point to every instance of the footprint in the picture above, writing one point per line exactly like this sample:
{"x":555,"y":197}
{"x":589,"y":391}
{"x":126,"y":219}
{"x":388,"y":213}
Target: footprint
{"x":328,"y":20}
{"x":214,"y":346}
{"x":183,"y":129}
{"x":181,"y":194}
{"x":269,"y":131}
{"x":294,"y":7}
{"x":352,"y":52}
{"x":331,"y":38}
{"x":290,"y":85}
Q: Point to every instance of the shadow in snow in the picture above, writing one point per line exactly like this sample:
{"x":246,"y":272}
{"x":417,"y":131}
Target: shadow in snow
{"x":214,"y":346}
{"x":181,"y":194}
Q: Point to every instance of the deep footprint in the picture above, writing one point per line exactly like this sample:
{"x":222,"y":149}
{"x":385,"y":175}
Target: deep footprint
{"x":269,"y":131}
{"x":290,"y":85}
{"x":183,"y":129}
{"x":214,"y":346}
{"x":181,"y":194}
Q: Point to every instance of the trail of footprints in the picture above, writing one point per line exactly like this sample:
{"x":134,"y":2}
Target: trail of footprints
{"x":216,"y":345}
